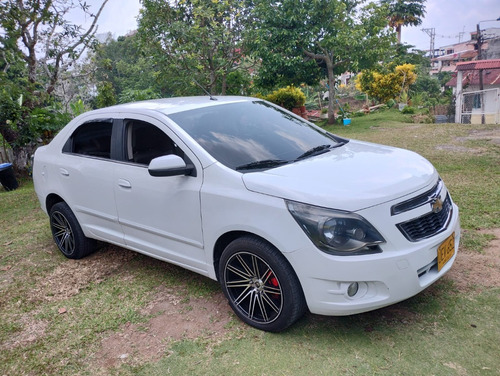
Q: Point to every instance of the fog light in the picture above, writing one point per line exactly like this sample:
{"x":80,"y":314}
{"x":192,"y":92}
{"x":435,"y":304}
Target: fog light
{"x":352,"y":289}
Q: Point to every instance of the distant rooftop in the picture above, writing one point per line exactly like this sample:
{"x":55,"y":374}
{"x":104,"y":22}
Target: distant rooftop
{"x":478,"y":64}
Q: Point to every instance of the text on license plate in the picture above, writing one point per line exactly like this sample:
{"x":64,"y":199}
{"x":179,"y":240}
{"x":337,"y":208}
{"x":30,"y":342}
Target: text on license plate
{"x":446,"y":251}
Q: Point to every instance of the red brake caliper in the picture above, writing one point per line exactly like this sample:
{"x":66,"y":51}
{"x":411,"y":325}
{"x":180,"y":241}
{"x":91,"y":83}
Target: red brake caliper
{"x":271,"y":279}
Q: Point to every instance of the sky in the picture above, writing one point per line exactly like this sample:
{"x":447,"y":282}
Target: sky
{"x":448,"y":17}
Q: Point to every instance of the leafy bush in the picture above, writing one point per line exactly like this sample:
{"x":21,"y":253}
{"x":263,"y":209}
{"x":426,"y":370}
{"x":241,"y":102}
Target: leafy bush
{"x":408,"y":110}
{"x":386,"y":82}
{"x":105,"y":95}
{"x":78,"y":107}
{"x":390,"y":103}
{"x":288,"y":97}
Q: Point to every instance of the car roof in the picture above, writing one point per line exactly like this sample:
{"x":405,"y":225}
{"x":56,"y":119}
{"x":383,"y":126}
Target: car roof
{"x":172,"y":105}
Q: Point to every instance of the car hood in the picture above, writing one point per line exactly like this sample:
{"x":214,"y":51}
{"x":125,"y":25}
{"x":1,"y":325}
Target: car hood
{"x":352,"y":177}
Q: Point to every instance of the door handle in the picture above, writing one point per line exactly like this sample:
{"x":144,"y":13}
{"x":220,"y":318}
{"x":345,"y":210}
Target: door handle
{"x":124,"y":183}
{"x":64,"y":172}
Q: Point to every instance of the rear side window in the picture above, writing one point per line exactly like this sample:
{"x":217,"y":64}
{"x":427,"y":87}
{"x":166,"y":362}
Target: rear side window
{"x":92,"y":139}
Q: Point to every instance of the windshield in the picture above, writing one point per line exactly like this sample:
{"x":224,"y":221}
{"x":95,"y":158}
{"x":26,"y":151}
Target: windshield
{"x":253,"y":135}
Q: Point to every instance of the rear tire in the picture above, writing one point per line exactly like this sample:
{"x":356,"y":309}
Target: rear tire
{"x":68,"y":234}
{"x":260,"y":285}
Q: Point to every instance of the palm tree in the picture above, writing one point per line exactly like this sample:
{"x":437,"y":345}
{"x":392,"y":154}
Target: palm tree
{"x":404,"y":13}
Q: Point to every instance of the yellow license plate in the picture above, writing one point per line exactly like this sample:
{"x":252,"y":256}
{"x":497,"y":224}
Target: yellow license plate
{"x":446,"y":251}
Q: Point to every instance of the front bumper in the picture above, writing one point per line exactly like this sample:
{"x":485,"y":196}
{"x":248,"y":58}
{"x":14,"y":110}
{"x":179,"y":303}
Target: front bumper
{"x":384,"y":279}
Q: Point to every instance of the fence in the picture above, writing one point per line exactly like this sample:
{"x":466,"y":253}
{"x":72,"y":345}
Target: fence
{"x":480,"y":107}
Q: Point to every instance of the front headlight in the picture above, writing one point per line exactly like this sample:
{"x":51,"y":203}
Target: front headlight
{"x":336,"y":232}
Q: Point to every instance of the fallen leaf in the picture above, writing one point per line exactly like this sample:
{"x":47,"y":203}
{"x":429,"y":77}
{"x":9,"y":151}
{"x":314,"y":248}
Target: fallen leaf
{"x":8,"y":243}
{"x":62,"y":310}
{"x":5,"y":268}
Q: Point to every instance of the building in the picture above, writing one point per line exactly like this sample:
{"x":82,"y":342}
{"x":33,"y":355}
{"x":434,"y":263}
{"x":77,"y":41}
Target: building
{"x":449,"y":56}
{"x":477,"y":89}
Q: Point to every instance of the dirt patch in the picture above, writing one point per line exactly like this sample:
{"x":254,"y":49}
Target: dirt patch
{"x":493,"y":136}
{"x":472,"y":269}
{"x":459,"y":149}
{"x":72,"y":276}
{"x":174,"y":318}
{"x":33,"y":329}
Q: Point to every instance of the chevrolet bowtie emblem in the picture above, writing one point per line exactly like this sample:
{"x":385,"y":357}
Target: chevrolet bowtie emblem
{"x":436,"y":205}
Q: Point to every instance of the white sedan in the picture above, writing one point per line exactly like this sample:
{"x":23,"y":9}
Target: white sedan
{"x":287,"y":217}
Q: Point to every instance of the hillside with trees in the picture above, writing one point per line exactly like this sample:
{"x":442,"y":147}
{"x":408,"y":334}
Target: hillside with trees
{"x":52,"y":69}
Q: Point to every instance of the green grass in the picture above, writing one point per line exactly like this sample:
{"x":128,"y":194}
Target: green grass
{"x":442,"y":331}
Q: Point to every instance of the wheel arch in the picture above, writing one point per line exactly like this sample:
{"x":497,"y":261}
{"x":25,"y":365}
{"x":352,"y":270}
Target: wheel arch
{"x":51,"y":200}
{"x":224,"y":240}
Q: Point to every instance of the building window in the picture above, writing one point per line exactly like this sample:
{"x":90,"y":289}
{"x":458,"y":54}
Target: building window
{"x":477,"y":101}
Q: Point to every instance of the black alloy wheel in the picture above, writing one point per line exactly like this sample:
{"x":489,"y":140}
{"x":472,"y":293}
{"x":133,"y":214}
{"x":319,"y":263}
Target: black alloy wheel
{"x":68,"y":234}
{"x":260,"y":284}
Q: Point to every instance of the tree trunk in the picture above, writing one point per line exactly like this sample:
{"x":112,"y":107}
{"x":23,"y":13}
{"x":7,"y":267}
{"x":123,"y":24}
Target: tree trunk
{"x":224,"y":84}
{"x":213,"y":83}
{"x":398,"y":32}
{"x":331,"y":93}
{"x":22,"y":156}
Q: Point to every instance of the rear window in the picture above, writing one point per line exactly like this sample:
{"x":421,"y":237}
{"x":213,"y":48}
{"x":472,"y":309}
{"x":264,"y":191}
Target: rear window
{"x":92,"y":139}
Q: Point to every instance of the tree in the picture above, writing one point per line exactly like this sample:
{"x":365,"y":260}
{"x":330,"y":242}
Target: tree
{"x":404,"y":13}
{"x":105,"y":95}
{"x":339,"y":35}
{"x":50,"y":43}
{"x":126,"y":66}
{"x":194,"y":40}
{"x":38,"y":43}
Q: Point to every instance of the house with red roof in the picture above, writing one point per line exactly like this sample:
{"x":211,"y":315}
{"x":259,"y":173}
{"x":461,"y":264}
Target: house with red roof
{"x":477,"y":90}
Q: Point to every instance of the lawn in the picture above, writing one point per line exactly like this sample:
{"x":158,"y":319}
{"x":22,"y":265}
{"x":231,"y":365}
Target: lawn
{"x":121,"y":313}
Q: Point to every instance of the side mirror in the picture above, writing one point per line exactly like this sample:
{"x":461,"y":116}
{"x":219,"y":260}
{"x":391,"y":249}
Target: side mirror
{"x":170,"y":165}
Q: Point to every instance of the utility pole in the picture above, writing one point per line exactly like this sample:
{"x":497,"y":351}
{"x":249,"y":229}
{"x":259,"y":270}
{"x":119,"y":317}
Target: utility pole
{"x":480,"y":57}
{"x":432,"y":33}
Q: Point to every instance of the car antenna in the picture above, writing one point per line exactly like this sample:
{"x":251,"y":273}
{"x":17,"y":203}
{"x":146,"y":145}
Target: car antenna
{"x":206,"y":92}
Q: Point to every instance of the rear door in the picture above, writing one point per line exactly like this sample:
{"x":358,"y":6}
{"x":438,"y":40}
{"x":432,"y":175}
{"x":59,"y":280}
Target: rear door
{"x":85,"y":175}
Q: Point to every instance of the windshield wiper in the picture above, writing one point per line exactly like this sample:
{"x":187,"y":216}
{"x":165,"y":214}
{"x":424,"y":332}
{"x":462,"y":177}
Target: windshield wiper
{"x":317,"y":150}
{"x":266,"y":163}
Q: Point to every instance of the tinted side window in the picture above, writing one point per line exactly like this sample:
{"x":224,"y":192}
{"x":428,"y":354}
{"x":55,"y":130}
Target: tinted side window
{"x":93,"y":139}
{"x":146,"y":142}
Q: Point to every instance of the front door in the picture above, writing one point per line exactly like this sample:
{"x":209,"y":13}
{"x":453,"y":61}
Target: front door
{"x":160,"y":216}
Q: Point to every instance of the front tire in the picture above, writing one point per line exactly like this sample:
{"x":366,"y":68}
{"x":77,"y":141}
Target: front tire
{"x":260,"y":285}
{"x":68,"y":234}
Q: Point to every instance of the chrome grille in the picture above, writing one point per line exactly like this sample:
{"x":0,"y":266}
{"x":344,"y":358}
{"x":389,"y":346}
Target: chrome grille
{"x":420,"y":200}
{"x":427,"y":225}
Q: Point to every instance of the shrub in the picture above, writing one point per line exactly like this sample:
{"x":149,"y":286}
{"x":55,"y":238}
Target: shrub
{"x":288,"y":97}
{"x":386,"y":82}
{"x":408,"y":110}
